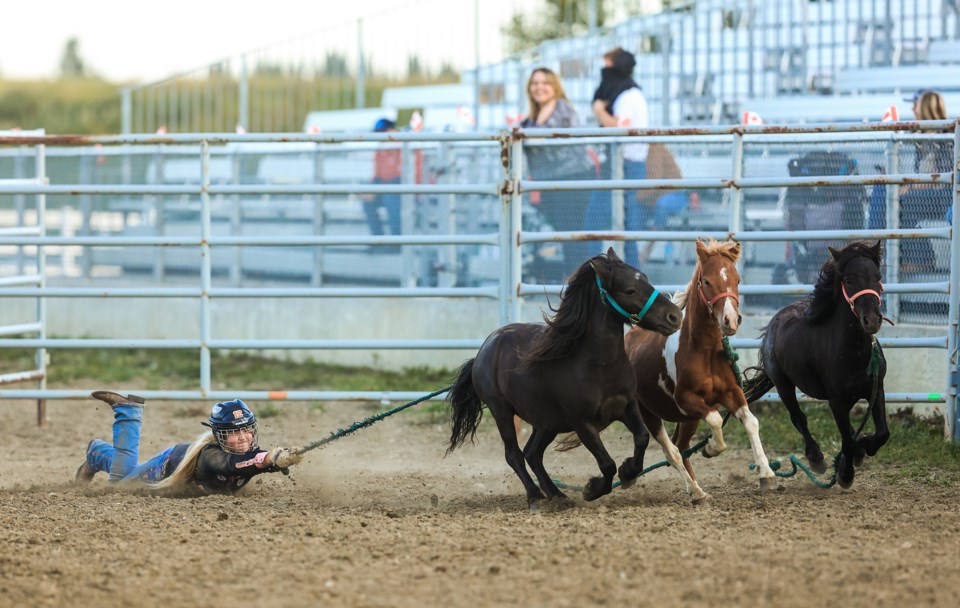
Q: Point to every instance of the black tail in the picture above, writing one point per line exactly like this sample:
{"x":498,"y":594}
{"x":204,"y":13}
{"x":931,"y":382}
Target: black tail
{"x":756,"y":383}
{"x":466,"y":405}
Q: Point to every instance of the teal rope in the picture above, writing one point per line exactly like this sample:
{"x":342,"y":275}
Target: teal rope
{"x":360,"y":424}
{"x":797,"y":464}
{"x":684,"y":455}
{"x":733,"y":357}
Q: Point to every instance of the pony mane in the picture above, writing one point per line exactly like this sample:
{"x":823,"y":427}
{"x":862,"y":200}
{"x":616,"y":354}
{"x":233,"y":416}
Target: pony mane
{"x":713,"y":247}
{"x":569,"y":324}
{"x":825,"y":291}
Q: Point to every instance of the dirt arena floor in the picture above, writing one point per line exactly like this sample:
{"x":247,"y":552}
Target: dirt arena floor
{"x":383,"y":519}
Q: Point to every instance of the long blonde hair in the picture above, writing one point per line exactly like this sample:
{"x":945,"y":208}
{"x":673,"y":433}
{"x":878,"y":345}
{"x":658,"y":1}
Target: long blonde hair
{"x":184,"y":471}
{"x":930,"y":106}
{"x":553,"y":80}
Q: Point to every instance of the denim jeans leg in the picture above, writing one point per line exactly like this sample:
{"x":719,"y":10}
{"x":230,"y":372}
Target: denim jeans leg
{"x":126,"y":439}
{"x":150,"y":471}
{"x":391,"y":202}
{"x":632,"y":170}
{"x":372,"y":210}
{"x":100,"y":455}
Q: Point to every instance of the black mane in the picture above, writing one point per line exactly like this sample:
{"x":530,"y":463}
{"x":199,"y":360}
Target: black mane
{"x":826,"y":292}
{"x":569,"y":325}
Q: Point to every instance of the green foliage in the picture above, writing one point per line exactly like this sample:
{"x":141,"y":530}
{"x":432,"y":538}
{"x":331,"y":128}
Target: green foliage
{"x":557,"y":19}
{"x":71,"y":64}
{"x":76,"y":106}
{"x":280,"y":99}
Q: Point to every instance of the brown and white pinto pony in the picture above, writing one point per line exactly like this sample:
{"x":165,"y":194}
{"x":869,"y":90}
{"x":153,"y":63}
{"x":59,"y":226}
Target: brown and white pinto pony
{"x":686,"y":377}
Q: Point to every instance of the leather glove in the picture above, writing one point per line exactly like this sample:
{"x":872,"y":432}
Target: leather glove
{"x":286,"y":457}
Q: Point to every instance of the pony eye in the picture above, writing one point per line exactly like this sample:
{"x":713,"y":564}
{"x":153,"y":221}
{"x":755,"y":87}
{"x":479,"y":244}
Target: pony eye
{"x":630,"y":291}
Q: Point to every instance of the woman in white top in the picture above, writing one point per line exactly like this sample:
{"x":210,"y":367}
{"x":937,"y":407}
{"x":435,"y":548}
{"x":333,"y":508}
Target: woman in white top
{"x":619,"y":103}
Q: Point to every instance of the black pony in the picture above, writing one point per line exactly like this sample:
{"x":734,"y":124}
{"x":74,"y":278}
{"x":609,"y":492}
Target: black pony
{"x":570,"y":374}
{"x":825,"y":346}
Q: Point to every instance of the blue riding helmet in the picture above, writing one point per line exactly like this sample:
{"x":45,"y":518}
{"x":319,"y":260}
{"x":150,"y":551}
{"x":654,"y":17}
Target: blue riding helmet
{"x":227,"y":419}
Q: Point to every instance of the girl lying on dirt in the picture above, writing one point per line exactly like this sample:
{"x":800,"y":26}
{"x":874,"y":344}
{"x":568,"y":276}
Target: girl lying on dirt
{"x":220,"y":461}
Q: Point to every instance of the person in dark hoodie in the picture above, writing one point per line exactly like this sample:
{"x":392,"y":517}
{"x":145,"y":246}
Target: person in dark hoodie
{"x":619,"y":103}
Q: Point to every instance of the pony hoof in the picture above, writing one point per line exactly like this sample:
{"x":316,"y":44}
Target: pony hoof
{"x":846,"y":484}
{"x":534,"y":506}
{"x":766,"y":483}
{"x":702,"y":500}
{"x":595,"y":488}
{"x":561,"y":497}
{"x":626,"y":484}
{"x":708,"y":453}
{"x":818,"y":466}
{"x":858,"y":460}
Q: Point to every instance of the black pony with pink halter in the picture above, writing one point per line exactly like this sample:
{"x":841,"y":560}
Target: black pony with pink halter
{"x":826,"y":347}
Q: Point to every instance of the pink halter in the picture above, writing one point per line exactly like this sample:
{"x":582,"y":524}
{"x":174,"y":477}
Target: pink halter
{"x":851,"y":299}
{"x":711,"y":301}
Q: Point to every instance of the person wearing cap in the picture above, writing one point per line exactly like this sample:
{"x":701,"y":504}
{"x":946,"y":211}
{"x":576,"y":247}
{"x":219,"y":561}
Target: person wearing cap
{"x":619,"y":103}
{"x":387,"y":169}
{"x":221,"y":460}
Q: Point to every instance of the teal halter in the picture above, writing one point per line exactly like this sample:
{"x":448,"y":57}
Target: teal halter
{"x":632,"y":319}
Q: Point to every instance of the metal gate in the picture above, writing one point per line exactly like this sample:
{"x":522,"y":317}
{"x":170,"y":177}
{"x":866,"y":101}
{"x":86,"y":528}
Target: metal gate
{"x":728,"y":166}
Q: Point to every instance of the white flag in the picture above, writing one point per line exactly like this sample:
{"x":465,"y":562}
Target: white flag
{"x":891,"y":115}
{"x":416,"y":121}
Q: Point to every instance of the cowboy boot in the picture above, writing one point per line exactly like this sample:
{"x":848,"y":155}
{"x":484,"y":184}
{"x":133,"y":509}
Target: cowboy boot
{"x":113,"y":399}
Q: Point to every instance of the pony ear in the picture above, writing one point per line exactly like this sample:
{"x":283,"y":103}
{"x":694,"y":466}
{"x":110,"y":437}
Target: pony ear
{"x":834,"y":253}
{"x":612,"y":255}
{"x":734,"y":248}
{"x":878,"y":249}
{"x":599,"y":265}
{"x":701,"y":251}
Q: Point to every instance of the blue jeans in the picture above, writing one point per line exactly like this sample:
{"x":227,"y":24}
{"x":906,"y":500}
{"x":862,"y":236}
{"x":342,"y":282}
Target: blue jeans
{"x":120,"y":459}
{"x":600,"y":212}
{"x":390,"y":202}
{"x":668,"y":205}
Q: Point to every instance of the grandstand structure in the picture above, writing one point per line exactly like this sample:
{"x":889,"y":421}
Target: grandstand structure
{"x":790,"y":61}
{"x":700,"y":62}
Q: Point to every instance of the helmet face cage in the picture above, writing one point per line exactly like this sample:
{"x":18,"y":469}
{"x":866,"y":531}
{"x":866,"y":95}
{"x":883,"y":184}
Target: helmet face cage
{"x":229,"y":439}
{"x":234,"y":427}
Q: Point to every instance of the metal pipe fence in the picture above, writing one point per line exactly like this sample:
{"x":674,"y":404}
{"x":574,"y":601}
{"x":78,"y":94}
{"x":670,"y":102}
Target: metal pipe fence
{"x":506,"y":181}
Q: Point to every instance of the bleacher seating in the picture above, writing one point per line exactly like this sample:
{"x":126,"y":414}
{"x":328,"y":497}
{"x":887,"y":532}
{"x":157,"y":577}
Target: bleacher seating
{"x":943,"y":52}
{"x":898,"y":79}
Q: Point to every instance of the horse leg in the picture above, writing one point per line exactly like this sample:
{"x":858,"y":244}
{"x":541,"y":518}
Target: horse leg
{"x":752,"y":426}
{"x":681,"y":438}
{"x":672,"y":454}
{"x":597,"y":486}
{"x":849,"y":448}
{"x":533,"y":453}
{"x":716,"y":445}
{"x":513,"y":455}
{"x":811,"y":449}
{"x":633,"y":465}
{"x":878,"y":411}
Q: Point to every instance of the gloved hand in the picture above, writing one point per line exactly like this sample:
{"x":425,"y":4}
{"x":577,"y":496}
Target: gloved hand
{"x":286,"y":457}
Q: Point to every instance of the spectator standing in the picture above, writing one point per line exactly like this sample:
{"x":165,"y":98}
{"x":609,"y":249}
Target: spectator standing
{"x":387,"y":169}
{"x":619,"y":102}
{"x":564,"y":211}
